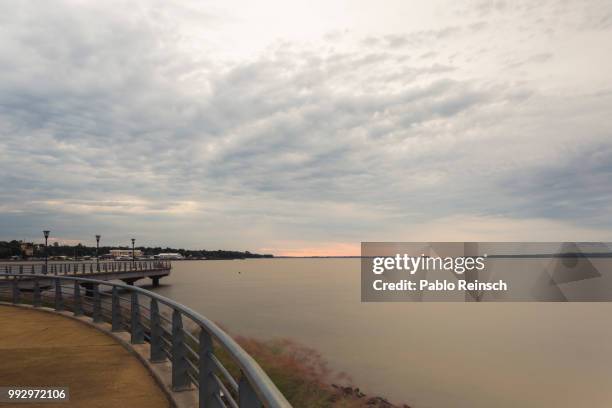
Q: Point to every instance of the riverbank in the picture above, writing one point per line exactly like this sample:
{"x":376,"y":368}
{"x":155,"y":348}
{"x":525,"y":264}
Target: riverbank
{"x":304,"y":377}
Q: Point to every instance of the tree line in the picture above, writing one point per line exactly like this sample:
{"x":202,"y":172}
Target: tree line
{"x":13,"y":248}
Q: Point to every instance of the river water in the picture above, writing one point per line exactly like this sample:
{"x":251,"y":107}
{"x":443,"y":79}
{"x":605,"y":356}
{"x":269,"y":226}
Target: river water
{"x":428,"y":355}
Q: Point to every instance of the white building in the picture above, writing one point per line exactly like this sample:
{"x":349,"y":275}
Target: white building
{"x":169,"y":255}
{"x":118,"y":253}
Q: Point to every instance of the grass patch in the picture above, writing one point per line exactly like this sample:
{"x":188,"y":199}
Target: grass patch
{"x":303,"y":375}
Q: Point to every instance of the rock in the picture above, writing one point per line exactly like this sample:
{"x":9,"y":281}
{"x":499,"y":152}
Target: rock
{"x":355,"y":393}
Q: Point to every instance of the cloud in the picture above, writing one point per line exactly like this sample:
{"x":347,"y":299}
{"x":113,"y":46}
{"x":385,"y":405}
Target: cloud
{"x":127,"y":206}
{"x":134,"y":121}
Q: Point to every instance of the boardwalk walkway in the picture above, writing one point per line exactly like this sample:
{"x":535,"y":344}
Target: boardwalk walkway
{"x":129,"y":272}
{"x":43,"y":349}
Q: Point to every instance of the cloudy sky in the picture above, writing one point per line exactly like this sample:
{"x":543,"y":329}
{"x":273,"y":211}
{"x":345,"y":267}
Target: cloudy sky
{"x":305,"y":127}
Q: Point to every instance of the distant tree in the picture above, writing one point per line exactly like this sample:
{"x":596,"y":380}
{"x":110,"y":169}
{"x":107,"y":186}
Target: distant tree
{"x":12,"y":248}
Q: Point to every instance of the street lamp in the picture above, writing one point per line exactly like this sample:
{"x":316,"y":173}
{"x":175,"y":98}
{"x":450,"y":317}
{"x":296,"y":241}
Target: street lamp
{"x":46,"y":233}
{"x":133,"y":253}
{"x":97,"y":257}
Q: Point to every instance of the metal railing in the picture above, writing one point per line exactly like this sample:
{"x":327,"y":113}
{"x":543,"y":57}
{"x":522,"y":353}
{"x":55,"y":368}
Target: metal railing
{"x":75,"y":268}
{"x":202,"y":355}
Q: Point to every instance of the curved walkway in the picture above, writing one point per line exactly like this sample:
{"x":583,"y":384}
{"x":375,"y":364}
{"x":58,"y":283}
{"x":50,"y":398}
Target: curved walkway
{"x":44,"y":349}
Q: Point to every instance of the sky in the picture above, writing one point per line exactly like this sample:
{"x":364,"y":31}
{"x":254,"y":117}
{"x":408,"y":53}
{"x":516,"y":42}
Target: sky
{"x":304,"y":128}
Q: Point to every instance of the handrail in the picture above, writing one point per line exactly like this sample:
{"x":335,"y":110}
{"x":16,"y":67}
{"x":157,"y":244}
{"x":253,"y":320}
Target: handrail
{"x":73,"y":268}
{"x":255,"y":388}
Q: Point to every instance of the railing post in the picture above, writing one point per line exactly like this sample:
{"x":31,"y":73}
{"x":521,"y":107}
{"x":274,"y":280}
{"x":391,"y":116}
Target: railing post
{"x":157,"y":351}
{"x":116,"y":311}
{"x":15,"y":291}
{"x":77,"y":309}
{"x":180,"y":378}
{"x":247,"y":398}
{"x":36,"y":295}
{"x":136,"y":327}
{"x":97,"y":305}
{"x":59,"y":304}
{"x":208,"y":387}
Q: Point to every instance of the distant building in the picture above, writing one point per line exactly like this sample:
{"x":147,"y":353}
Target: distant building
{"x":119,"y":253}
{"x":27,"y":249}
{"x":169,"y":255}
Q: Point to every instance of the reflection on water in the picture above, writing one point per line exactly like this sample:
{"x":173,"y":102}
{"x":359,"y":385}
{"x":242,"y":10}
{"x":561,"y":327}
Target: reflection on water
{"x":441,"y":355}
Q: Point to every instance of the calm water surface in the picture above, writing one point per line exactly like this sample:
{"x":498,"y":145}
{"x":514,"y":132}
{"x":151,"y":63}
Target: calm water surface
{"x":438,"y":355}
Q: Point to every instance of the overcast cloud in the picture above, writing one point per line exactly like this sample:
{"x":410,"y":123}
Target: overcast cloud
{"x":305,"y":127}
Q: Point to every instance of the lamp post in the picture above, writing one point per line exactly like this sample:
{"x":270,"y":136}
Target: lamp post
{"x":97,"y":249}
{"x":46,"y":233}
{"x":133,"y":253}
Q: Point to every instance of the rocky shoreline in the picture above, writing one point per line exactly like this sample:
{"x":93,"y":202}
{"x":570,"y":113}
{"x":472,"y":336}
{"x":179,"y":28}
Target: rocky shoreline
{"x":354,"y":393}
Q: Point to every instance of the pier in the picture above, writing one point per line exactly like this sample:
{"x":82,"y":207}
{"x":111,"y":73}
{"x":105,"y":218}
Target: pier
{"x":193,"y":361}
{"x":126,"y":271}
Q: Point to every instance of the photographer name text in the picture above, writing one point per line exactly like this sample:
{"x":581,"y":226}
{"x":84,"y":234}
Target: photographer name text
{"x":411,"y":265}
